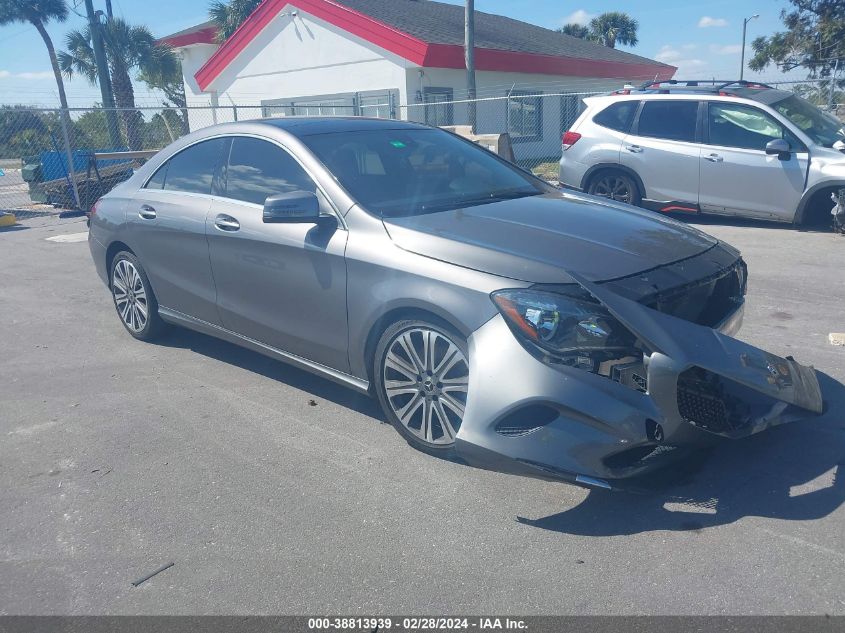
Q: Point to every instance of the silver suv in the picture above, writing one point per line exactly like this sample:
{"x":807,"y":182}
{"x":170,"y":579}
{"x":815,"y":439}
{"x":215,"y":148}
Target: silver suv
{"x":728,"y":148}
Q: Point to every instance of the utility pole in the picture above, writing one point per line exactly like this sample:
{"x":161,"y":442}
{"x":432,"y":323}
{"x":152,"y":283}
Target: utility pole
{"x":469,"y":58}
{"x":745,"y":22}
{"x":103,"y":75}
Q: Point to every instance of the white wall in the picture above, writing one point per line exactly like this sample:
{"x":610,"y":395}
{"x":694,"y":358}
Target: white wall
{"x":492,"y":114}
{"x":303,"y":56}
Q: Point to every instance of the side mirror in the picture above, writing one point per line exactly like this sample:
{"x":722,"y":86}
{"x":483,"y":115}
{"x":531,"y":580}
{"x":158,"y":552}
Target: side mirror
{"x":293,"y":207}
{"x":780,"y":147}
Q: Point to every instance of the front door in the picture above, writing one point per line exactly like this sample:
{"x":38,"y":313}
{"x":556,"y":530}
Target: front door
{"x":737,"y":176}
{"x":283,"y":285}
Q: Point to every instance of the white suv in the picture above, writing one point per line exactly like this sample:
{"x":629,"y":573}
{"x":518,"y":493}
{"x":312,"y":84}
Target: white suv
{"x":730,"y":148}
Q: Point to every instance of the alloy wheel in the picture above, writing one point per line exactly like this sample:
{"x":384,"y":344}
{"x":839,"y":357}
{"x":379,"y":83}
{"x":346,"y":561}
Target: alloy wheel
{"x":614,"y":187}
{"x":426,"y":376}
{"x":130,"y":297}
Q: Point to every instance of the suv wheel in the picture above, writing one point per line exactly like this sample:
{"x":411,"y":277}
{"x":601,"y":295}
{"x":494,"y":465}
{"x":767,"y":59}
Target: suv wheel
{"x":615,"y":185}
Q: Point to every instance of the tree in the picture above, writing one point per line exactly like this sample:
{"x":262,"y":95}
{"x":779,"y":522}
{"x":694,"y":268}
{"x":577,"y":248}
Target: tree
{"x":127,"y":48}
{"x":228,"y":16}
{"x":39,"y":13}
{"x":614,"y":26}
{"x":814,"y":39}
{"x":575,"y":30}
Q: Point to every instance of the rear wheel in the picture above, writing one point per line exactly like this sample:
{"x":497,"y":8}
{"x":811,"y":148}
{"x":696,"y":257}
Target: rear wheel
{"x":421,"y":377}
{"x":615,"y":185}
{"x":133,"y":296}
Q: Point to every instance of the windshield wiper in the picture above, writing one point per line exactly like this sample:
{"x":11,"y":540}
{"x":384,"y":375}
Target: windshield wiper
{"x":494,"y":196}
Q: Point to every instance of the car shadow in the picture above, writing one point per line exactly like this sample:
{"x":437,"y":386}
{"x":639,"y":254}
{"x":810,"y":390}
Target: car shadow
{"x":320,"y":388}
{"x":794,"y":472}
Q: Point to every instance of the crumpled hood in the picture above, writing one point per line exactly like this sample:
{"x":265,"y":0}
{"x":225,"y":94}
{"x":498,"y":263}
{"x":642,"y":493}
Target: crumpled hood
{"x":539,"y":238}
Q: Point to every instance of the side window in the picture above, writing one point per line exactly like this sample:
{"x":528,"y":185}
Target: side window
{"x":672,"y":120}
{"x":191,"y":170}
{"x":736,"y":125}
{"x":617,"y":116}
{"x":258,"y":169}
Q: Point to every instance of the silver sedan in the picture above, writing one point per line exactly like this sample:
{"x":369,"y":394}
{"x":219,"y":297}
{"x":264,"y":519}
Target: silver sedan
{"x":523,"y":328}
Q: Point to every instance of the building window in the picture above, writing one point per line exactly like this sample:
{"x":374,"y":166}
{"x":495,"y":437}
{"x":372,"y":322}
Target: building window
{"x":571,"y":108}
{"x":376,"y":105}
{"x":525,"y":116}
{"x":438,"y":106}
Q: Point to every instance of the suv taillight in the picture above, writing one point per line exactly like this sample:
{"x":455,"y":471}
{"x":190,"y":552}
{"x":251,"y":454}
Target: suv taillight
{"x":93,"y":210}
{"x":569,"y":139}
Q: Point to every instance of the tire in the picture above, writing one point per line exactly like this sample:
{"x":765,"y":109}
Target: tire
{"x":616,"y":185}
{"x":133,"y":297}
{"x":422,"y":395}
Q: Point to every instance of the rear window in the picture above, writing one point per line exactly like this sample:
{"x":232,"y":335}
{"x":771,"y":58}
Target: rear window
{"x":672,"y":120}
{"x":617,"y":116}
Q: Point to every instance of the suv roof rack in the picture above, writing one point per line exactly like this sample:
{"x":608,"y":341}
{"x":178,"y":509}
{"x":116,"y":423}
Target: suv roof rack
{"x":700,"y":85}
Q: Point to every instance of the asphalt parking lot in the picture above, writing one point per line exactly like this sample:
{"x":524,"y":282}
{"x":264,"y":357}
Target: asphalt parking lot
{"x":273,"y":491}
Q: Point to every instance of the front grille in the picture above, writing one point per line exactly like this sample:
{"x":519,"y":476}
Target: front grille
{"x":703,"y":409}
{"x":712,"y":402}
{"x":706,"y":301}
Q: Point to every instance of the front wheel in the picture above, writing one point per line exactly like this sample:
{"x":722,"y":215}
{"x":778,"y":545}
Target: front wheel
{"x":616,"y":186}
{"x":421,"y":377}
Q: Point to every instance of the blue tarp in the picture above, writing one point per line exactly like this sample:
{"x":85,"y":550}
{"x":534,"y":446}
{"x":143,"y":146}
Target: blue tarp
{"x":54,"y":164}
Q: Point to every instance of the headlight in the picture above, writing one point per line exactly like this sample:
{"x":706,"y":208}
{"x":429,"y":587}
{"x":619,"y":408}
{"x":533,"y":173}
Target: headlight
{"x":573,"y":330}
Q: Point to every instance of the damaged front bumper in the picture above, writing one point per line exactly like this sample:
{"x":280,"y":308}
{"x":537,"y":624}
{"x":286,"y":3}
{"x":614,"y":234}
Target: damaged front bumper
{"x":533,"y":418}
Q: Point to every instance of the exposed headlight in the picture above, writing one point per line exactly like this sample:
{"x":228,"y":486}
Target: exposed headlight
{"x":573,"y":330}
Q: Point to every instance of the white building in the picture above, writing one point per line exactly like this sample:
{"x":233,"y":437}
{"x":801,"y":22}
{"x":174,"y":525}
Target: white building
{"x":394,"y":58}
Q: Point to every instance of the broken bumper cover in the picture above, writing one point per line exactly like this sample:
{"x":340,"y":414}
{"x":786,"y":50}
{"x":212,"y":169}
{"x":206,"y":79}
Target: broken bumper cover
{"x":528,"y":417}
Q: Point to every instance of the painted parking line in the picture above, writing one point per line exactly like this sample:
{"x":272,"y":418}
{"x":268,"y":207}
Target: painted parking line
{"x":69,"y":238}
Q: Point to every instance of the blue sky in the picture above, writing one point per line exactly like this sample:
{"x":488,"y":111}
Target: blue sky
{"x":701,"y":37}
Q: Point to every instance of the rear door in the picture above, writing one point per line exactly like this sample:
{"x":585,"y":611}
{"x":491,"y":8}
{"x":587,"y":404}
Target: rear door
{"x":662,"y":149}
{"x":737,"y":176}
{"x":167,"y":219}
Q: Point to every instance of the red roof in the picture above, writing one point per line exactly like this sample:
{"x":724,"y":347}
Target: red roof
{"x":429,"y":34}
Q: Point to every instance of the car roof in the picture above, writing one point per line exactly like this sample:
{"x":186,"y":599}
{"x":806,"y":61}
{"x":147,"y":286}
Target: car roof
{"x":310,"y":125}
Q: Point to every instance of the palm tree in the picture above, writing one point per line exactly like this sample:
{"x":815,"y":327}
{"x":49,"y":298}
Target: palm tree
{"x":614,"y":26}
{"x":228,"y":16}
{"x":575,"y":30}
{"x":38,"y":13}
{"x":127,"y":47}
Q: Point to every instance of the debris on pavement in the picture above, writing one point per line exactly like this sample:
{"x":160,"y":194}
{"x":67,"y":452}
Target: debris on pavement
{"x":150,"y":575}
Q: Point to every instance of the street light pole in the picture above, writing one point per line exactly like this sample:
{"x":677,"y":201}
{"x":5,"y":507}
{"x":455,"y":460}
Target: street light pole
{"x":469,"y":58}
{"x":745,"y":22}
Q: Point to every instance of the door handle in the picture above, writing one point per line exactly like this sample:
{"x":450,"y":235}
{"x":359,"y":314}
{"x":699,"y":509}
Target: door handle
{"x":147,"y":212}
{"x":226,"y":223}
{"x":636,"y":149}
{"x":714,"y":158}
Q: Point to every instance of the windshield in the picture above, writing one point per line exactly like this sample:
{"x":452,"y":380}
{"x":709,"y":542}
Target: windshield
{"x":414,"y":171}
{"x":823,"y":128}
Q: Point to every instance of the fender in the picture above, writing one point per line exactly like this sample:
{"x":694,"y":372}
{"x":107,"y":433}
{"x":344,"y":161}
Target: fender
{"x":617,"y":166}
{"x":808,"y":195}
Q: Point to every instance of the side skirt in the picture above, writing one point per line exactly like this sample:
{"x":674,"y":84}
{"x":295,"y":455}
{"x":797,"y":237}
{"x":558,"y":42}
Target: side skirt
{"x":198,"y":325}
{"x":670,"y":206}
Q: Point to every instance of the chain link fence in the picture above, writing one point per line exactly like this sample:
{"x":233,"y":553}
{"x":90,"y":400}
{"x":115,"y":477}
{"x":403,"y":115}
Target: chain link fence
{"x":49,"y":160}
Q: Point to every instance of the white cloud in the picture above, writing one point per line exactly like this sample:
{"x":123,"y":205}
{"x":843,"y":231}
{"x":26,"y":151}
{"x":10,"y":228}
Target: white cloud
{"x":707,"y":21}
{"x":579,"y":17}
{"x":687,"y":65}
{"x":5,"y":74}
{"x":727,"y":49}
